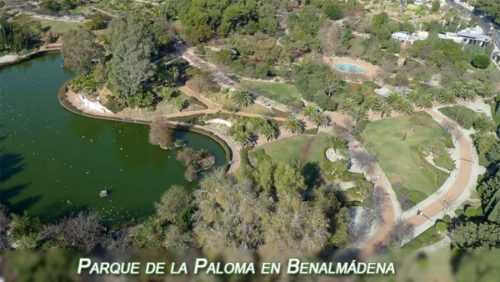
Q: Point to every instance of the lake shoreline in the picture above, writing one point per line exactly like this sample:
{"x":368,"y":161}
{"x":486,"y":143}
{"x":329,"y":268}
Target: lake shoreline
{"x":17,"y":58}
{"x":68,"y":103}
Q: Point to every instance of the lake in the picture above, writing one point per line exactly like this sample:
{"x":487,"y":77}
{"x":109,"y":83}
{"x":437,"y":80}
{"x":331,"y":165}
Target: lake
{"x":54,"y":162}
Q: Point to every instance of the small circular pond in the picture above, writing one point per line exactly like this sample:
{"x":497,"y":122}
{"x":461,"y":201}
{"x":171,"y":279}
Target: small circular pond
{"x":349,"y":68}
{"x":54,"y":162}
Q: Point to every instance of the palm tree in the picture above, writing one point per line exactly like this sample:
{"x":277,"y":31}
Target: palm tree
{"x":314,"y":115}
{"x":385,"y":109}
{"x":242,"y":98}
{"x":359,"y":114}
{"x":319,"y":119}
{"x":268,"y":129}
{"x":337,"y":143}
{"x":349,"y":104}
{"x":400,"y":104}
{"x":295,"y":125}
{"x":447,"y":97}
{"x":424,"y":101}
{"x":405,"y":106}
{"x":436,"y":93}
{"x":309,"y":110}
{"x":372,"y":101}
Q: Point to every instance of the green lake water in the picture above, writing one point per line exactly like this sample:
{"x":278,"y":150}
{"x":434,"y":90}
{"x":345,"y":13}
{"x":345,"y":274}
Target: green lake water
{"x":54,"y":162}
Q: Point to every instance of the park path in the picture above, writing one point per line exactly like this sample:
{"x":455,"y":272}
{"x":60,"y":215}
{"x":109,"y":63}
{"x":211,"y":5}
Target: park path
{"x":15,"y":58}
{"x":391,"y":209}
{"x":451,"y":195}
{"x":225,"y":81}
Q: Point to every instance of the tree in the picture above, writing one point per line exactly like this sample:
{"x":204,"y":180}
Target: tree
{"x":238,"y":17}
{"x":483,"y":123}
{"x":492,"y":209}
{"x":227,"y":214}
{"x":242,"y":135}
{"x":195,"y":161}
{"x":400,"y":104}
{"x":436,"y":4}
{"x":325,"y":198}
{"x":315,"y":115}
{"x":295,"y":224}
{"x":25,"y":230}
{"x":268,"y":129}
{"x":160,"y":134}
{"x":132,"y":55}
{"x":82,"y":232}
{"x":264,"y":170}
{"x":242,"y":98}
{"x":17,"y":35}
{"x":303,"y":27}
{"x":481,"y":61}
{"x":476,"y":235}
{"x":80,"y":51}
{"x":484,"y":142}
{"x":294,"y":125}
{"x":174,"y":207}
{"x":385,"y":109}
{"x":288,"y":179}
{"x":333,"y":11}
{"x":4,"y":226}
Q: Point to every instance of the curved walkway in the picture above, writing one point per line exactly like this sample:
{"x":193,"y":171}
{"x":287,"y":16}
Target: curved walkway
{"x":444,"y":201}
{"x":452,"y":194}
{"x":390,"y":204}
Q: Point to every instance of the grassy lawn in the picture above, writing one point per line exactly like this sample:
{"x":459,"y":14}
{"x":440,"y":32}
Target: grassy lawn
{"x":290,"y":149}
{"x":429,"y":237}
{"x":460,"y":114}
{"x":398,"y":150}
{"x":59,"y":26}
{"x":281,"y":92}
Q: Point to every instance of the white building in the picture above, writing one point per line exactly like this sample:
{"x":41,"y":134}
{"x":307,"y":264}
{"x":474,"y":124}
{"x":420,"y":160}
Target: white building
{"x":475,"y":36}
{"x":407,"y":38}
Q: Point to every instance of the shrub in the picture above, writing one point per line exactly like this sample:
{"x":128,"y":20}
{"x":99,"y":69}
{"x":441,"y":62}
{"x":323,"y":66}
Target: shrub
{"x":480,"y":61}
{"x":483,"y":123}
{"x":333,"y":11}
{"x":115,"y":104}
{"x":441,"y":226}
{"x":95,"y":24}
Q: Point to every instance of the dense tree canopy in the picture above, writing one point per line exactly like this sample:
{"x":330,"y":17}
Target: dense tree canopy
{"x":131,"y":62}
{"x":81,"y":51}
{"x":490,"y":7}
{"x":201,"y":19}
{"x":17,"y":35}
{"x":317,"y":83}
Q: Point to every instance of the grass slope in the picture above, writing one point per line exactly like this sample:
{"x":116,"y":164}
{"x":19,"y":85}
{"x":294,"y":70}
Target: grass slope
{"x":281,"y":92}
{"x":401,"y":158}
{"x":290,"y":149}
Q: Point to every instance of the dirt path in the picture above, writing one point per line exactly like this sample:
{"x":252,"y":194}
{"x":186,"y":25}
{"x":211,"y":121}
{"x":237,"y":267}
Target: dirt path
{"x":304,"y":153}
